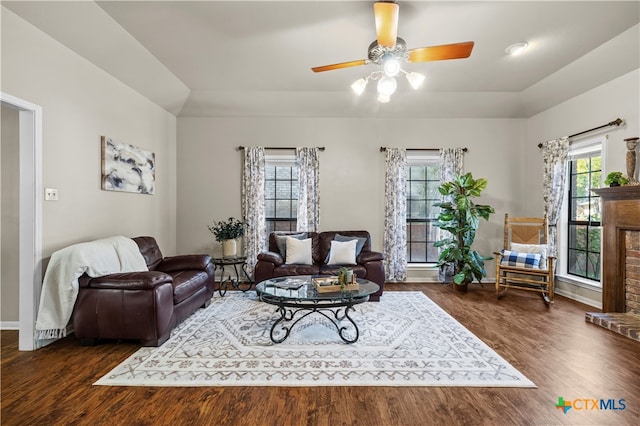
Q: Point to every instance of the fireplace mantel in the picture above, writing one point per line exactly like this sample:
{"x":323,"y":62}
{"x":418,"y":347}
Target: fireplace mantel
{"x":620,"y":213}
{"x":628,"y":192}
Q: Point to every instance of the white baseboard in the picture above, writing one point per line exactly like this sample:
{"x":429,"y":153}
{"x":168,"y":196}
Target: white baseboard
{"x":492,"y":281}
{"x":578,"y":298}
{"x":422,"y":280}
{"x":9,"y":325}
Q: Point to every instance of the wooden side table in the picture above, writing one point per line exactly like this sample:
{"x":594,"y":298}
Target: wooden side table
{"x":239,"y":263}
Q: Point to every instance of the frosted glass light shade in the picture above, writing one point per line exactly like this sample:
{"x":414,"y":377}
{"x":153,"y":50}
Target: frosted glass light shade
{"x":383,"y":99}
{"x":391,"y":67}
{"x":415,"y":79}
{"x":359,"y":85}
{"x":387,"y":86}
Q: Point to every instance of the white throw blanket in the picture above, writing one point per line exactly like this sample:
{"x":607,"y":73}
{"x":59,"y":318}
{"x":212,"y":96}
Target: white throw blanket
{"x":60,"y":284}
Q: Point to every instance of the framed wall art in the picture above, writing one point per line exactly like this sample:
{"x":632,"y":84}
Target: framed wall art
{"x":127,"y":168}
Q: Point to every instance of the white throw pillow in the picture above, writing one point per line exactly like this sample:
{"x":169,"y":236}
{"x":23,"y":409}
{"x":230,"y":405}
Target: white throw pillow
{"x":299,"y":251}
{"x":343,"y":253}
{"x":540,"y":249}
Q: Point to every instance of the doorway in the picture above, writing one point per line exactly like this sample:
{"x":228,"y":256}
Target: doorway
{"x":30,"y":216}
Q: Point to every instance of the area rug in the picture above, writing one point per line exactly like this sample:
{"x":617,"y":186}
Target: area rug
{"x":405,"y":340}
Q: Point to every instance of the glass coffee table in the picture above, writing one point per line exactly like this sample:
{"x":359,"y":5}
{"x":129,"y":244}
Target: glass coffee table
{"x":296,"y":297}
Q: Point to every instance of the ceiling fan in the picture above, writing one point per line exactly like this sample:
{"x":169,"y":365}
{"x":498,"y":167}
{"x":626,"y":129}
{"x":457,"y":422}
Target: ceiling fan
{"x":389,"y":50}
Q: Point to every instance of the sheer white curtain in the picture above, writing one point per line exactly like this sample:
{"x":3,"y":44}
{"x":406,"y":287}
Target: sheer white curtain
{"x":253,"y":204}
{"x":554,"y":154}
{"x":395,"y":214}
{"x":308,"y":218}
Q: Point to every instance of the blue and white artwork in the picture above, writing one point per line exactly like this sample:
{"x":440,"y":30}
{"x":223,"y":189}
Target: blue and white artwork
{"x":127,"y":168}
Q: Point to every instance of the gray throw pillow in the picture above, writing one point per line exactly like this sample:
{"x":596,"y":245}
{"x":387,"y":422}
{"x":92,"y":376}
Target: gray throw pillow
{"x":281,"y":242}
{"x":344,"y":238}
{"x":359,"y":244}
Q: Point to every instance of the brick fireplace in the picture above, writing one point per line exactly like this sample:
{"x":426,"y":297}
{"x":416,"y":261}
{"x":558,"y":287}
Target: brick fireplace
{"x":621,"y":261}
{"x":632,"y":272}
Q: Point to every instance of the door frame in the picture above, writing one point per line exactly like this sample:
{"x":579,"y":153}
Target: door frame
{"x":30,"y":206}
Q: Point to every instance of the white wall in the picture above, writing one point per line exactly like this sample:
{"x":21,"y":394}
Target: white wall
{"x":9,"y":260}
{"x":80,"y":104}
{"x":617,"y":98}
{"x":351,"y":168}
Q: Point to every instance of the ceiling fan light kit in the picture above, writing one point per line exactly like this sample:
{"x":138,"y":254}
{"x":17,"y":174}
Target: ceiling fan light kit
{"x":359,"y":85}
{"x":388,"y":51}
{"x":415,"y":79}
{"x":390,"y":65}
{"x":387,"y":86}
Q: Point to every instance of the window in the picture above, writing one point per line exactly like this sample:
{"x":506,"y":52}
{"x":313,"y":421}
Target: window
{"x":583,"y":217}
{"x":281,"y":193}
{"x":423,"y":180}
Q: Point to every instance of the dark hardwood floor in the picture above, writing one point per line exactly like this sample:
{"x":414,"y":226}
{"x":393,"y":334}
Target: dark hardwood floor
{"x":554,"y":347}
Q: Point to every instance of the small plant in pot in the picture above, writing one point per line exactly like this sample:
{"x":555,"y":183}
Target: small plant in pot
{"x":460,"y":217}
{"x":345,"y":276}
{"x":226,"y":232}
{"x":616,"y":179}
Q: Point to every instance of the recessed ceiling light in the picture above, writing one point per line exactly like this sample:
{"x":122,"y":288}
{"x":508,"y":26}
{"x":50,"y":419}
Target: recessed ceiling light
{"x":516,"y":48}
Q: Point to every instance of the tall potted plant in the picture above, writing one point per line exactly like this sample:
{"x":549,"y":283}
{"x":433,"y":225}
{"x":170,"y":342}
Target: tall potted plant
{"x":226,"y":232}
{"x":460,"y":216}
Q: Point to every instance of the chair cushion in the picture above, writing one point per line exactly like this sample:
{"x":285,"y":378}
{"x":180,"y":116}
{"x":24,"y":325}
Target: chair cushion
{"x":150,"y":251}
{"x":520,"y":260}
{"x":289,"y":270}
{"x":540,"y":249}
{"x":299,"y":251}
{"x":359,"y":270}
{"x":342,"y":253}
{"x":187,"y":283}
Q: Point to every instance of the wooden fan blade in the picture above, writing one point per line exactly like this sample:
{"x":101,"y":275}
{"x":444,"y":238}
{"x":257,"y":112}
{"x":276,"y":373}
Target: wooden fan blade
{"x":340,"y":65}
{"x":442,"y":52}
{"x":386,"y":14}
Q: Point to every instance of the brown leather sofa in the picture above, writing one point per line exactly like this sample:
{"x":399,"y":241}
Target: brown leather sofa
{"x":143,"y":306}
{"x":369,"y":263}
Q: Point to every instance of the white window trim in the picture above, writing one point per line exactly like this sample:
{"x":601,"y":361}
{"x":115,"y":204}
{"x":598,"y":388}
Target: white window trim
{"x":583,"y":147}
{"x":417,"y":159}
{"x":280,"y":159}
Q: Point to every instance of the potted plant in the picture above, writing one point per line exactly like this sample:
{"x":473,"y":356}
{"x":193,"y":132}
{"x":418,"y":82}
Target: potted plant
{"x":345,"y":276}
{"x":616,"y":179}
{"x":460,"y":217}
{"x":226,"y":232}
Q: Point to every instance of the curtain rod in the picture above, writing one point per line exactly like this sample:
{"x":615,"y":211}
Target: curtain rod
{"x":616,"y":122}
{"x":240,"y":148}
{"x":384,"y":148}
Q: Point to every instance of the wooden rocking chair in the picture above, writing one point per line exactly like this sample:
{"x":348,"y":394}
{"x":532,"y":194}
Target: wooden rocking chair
{"x":525,"y":241}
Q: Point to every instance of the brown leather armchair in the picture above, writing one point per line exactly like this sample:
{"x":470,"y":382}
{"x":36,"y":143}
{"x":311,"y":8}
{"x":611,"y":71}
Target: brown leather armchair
{"x":369,"y":263}
{"x":143,"y":306}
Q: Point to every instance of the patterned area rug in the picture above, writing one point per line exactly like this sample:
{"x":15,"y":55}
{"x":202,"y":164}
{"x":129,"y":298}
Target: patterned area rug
{"x":405,"y":340}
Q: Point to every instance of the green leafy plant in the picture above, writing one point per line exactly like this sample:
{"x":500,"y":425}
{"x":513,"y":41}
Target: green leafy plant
{"x":460,"y":217}
{"x":227,"y":230}
{"x":616,"y":179}
{"x":342,"y":275}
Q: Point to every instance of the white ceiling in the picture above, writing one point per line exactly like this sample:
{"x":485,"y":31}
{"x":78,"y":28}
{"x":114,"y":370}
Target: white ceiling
{"x":240,"y":58}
